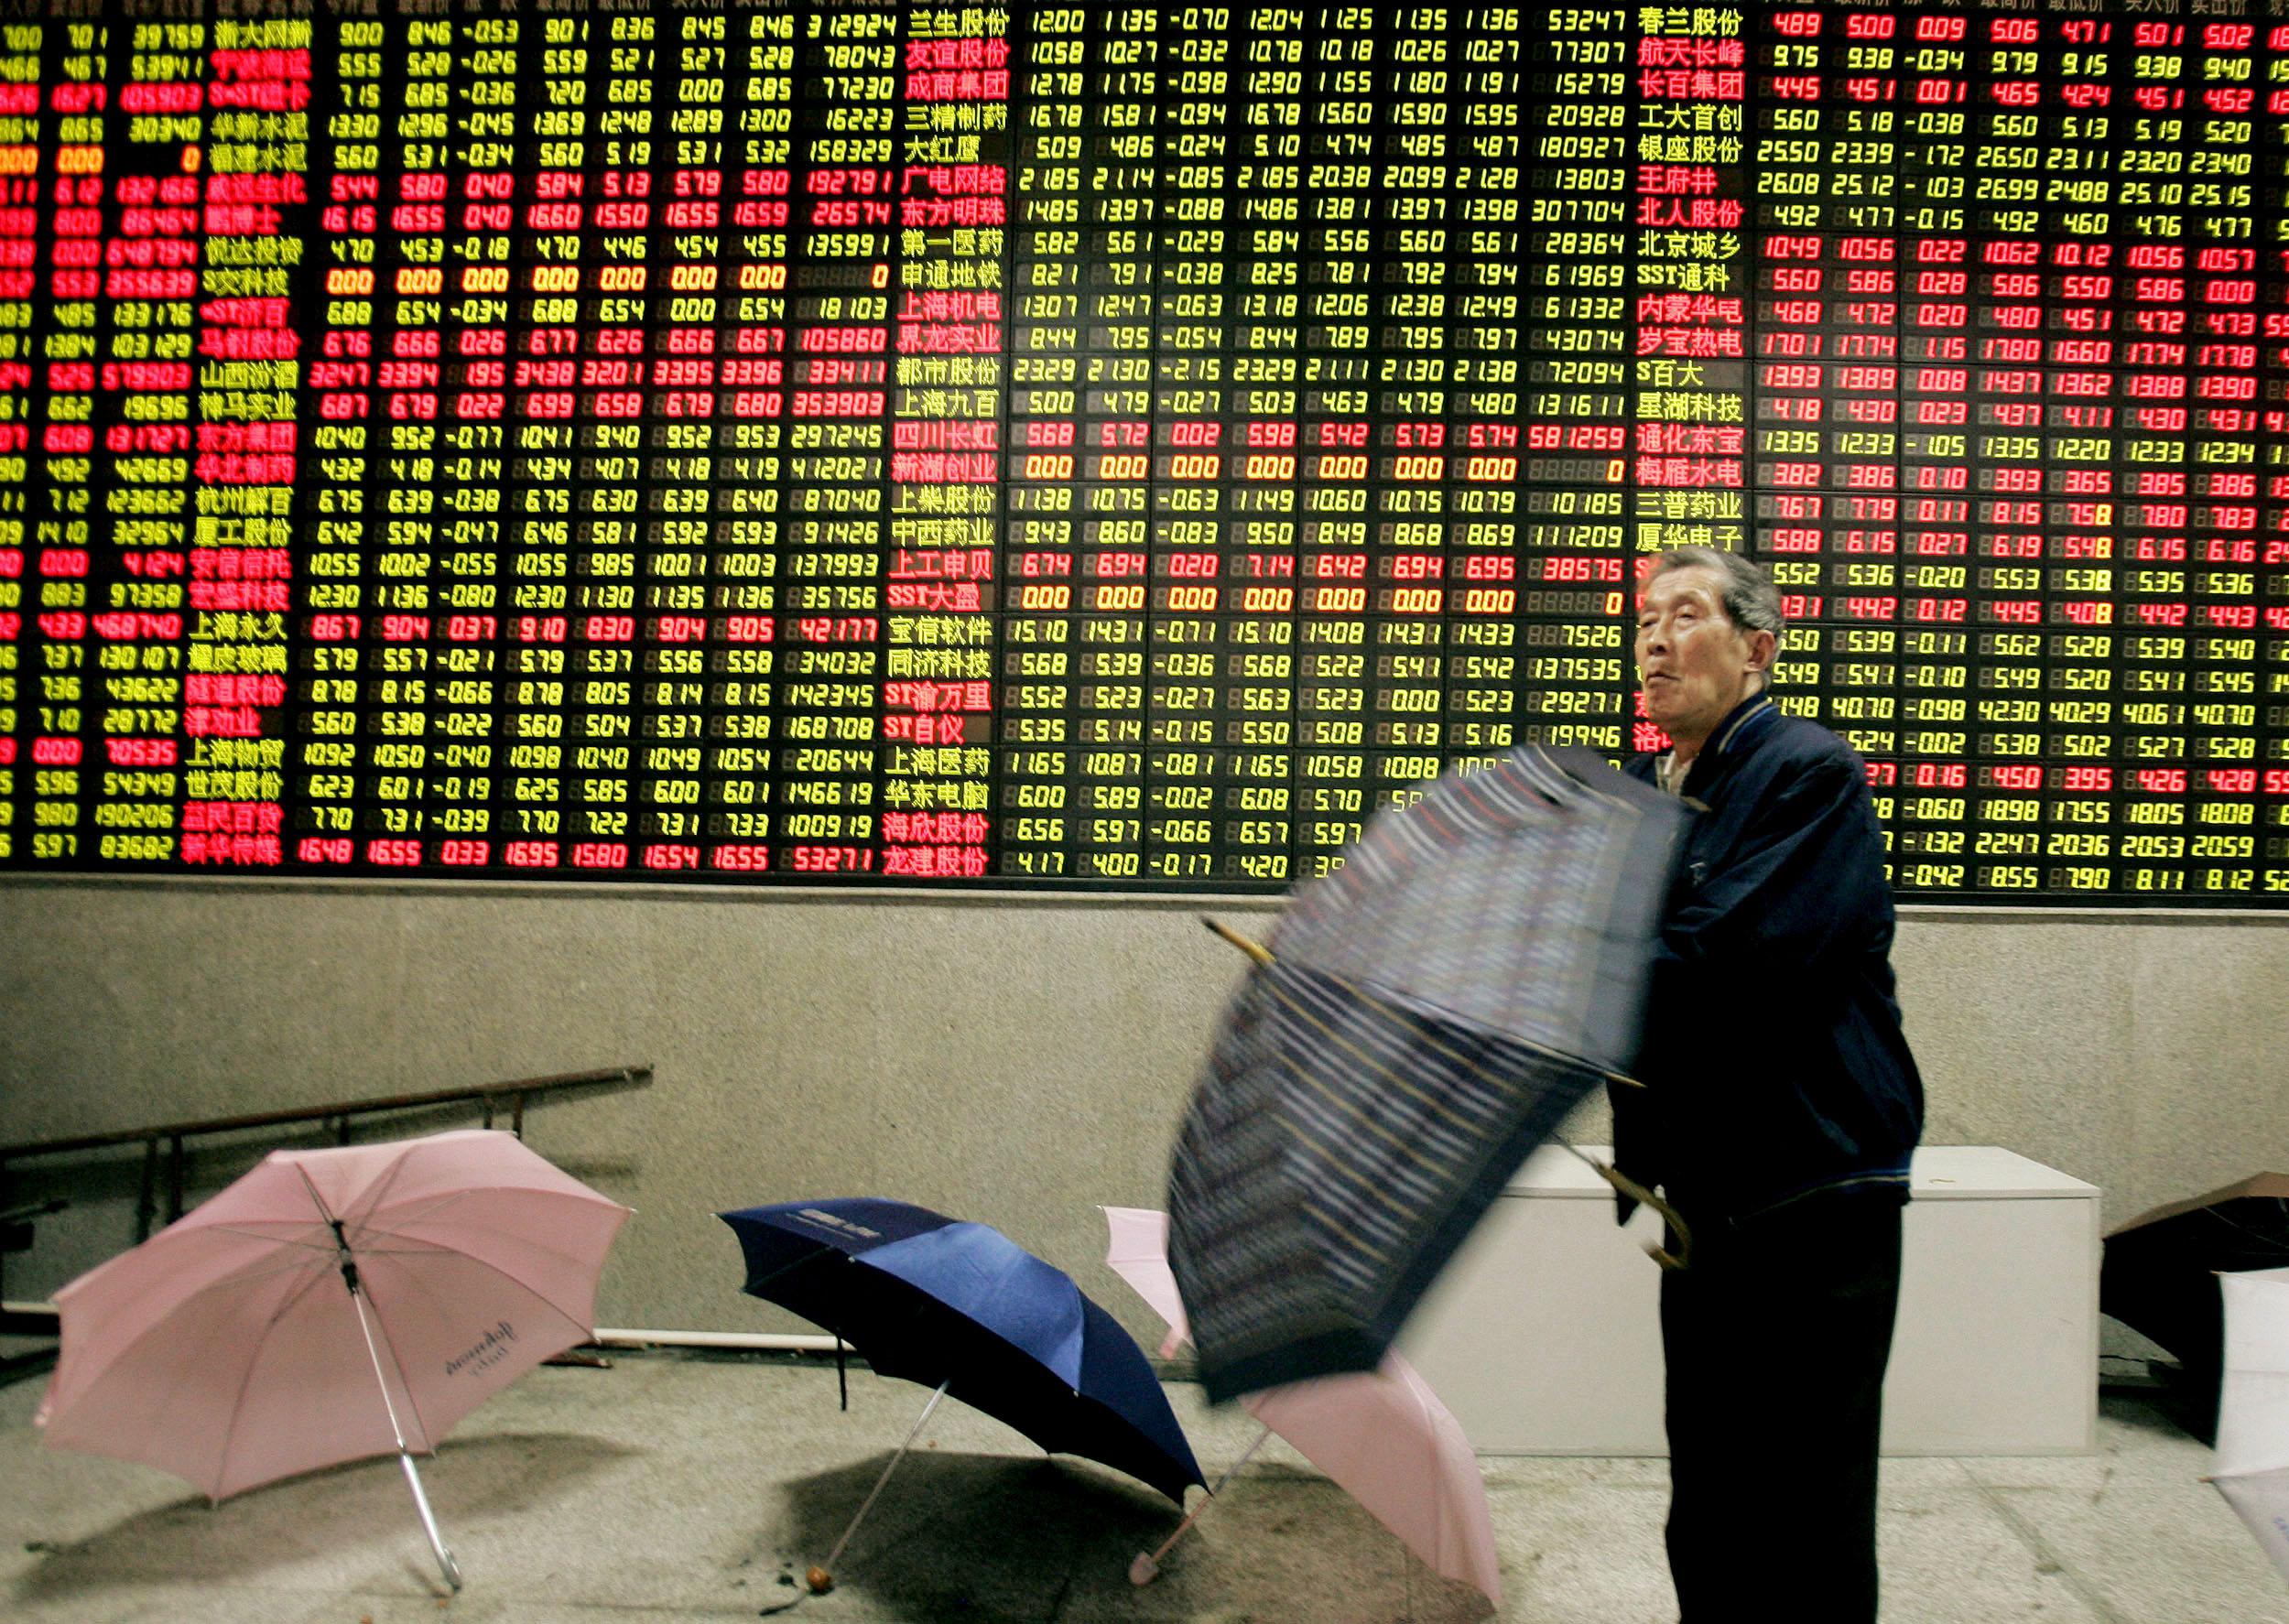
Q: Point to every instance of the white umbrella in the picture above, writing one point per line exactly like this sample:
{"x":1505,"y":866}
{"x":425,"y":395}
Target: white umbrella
{"x":2254,"y":1407}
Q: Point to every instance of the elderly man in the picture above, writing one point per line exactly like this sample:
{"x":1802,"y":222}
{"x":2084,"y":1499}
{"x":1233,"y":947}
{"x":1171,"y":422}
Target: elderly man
{"x":1781,"y":1107}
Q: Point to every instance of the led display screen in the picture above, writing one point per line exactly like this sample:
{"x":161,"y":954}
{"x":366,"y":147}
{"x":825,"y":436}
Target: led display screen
{"x":1124,"y":446}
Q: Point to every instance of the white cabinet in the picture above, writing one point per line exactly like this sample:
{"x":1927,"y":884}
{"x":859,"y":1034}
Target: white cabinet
{"x":1542,"y":1335}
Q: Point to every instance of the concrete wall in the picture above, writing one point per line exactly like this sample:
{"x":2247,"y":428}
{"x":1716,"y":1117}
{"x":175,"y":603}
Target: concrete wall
{"x":1014,"y":1061}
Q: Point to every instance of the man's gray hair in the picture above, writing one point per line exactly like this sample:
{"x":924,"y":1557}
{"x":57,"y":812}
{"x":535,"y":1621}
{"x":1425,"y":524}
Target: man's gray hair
{"x":1750,"y":597}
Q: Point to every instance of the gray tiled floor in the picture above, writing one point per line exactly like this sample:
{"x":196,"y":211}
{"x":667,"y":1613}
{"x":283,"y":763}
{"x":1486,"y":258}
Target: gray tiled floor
{"x":670,"y":1489}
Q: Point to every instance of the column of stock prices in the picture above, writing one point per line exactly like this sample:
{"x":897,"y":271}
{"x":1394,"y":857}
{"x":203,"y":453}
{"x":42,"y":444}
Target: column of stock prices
{"x":1124,"y":446}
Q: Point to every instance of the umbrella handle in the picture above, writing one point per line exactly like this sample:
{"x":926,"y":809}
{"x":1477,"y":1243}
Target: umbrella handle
{"x":821,"y":1579}
{"x":1145,"y":1568}
{"x":1680,"y":1258}
{"x":446,"y":1565}
{"x":349,"y":1265}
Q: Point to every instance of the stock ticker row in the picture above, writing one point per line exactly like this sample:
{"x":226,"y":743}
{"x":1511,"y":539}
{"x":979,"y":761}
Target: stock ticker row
{"x":1122,"y":447}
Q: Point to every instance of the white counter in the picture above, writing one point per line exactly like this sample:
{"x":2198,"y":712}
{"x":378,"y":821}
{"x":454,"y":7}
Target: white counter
{"x":1543,"y":1334}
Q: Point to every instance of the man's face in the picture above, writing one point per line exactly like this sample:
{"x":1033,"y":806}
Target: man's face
{"x":1692,"y":662}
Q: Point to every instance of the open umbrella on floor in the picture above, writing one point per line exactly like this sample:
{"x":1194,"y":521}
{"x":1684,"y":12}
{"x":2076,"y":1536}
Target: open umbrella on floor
{"x":2159,"y":1276}
{"x":330,"y":1305}
{"x":1382,"y":1437}
{"x":2254,"y":1407}
{"x":961,"y":1308}
{"x":1430,"y":1012}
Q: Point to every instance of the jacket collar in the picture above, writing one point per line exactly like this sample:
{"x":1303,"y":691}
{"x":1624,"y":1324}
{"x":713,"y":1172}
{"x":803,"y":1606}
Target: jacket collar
{"x":1743,"y":726}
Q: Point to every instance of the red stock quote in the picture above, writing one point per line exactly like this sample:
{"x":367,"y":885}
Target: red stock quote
{"x":1124,"y":446}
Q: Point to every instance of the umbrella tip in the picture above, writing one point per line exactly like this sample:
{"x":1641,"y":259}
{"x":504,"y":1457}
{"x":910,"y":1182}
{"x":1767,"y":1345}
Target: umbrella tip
{"x":819,"y":1580}
{"x":1144,"y":1570}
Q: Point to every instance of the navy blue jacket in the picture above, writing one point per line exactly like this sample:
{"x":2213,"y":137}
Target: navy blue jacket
{"x":1773,"y":1058}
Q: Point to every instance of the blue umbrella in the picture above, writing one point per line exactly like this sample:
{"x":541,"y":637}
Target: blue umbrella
{"x":962,"y":1308}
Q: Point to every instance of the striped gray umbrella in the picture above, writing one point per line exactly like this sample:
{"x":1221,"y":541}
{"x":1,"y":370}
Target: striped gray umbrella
{"x":1430,"y":1012}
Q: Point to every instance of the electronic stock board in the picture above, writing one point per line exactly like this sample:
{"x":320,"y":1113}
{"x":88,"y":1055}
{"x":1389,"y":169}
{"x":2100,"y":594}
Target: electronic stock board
{"x":1123,"y":445}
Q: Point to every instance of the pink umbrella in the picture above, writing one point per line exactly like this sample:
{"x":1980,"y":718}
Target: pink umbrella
{"x":226,"y":1350}
{"x":1382,"y":1435}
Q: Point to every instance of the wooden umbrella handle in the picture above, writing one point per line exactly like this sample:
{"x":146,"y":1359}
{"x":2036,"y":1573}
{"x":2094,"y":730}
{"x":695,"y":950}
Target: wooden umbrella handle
{"x":1680,"y":1258}
{"x":1248,"y":944}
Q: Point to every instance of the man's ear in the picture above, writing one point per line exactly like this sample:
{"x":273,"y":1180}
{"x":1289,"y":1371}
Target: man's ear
{"x":1763,"y":649}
